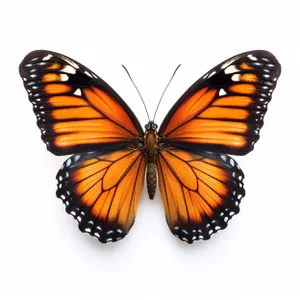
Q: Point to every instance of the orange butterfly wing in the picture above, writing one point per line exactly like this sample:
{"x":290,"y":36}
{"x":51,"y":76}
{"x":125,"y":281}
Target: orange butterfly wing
{"x":101,"y":191}
{"x":223,"y":111}
{"x":76,"y":110}
{"x":201,"y":191}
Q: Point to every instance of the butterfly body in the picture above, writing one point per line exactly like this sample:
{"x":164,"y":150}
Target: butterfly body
{"x":151,"y":147}
{"x":101,"y":183}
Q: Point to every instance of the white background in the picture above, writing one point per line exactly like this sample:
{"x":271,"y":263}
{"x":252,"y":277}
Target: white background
{"x":42,"y":253}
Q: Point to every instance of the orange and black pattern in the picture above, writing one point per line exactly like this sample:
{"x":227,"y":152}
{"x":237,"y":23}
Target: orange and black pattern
{"x":224,"y":110}
{"x":201,"y":186}
{"x":200,"y":191}
{"x":102,"y":190}
{"x":76,"y":110}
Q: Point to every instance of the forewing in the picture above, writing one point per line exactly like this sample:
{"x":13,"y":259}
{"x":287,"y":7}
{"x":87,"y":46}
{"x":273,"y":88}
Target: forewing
{"x":101,"y":191}
{"x":223,"y":111}
{"x":200,"y":191}
{"x":75,"y":109}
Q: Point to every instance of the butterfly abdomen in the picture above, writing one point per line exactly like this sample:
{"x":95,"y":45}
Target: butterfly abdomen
{"x":151,"y":145}
{"x":151,"y":179}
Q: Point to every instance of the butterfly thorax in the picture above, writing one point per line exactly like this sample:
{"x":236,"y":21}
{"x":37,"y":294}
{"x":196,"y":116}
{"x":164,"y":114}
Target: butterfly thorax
{"x":151,"y":146}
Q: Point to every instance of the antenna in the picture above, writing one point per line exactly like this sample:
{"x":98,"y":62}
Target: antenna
{"x":162,"y":95}
{"x":137,"y":91}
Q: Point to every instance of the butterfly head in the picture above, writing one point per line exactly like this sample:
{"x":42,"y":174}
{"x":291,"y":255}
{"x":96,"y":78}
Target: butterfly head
{"x":151,"y":126}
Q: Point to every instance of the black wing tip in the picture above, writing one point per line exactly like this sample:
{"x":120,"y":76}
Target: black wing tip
{"x":28,"y":57}
{"x":38,"y":54}
{"x":269,"y":55}
{"x":261,"y":54}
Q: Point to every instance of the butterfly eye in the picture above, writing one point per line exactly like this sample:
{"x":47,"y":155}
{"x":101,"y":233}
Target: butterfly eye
{"x":151,"y":125}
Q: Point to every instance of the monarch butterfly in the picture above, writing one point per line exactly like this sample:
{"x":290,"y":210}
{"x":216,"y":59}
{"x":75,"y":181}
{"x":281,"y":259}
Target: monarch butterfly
{"x":100,"y":184}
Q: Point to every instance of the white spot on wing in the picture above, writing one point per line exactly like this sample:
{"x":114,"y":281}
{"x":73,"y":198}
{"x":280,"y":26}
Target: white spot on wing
{"x":68,"y":163}
{"x":64,"y":77}
{"x":76,"y":157}
{"x":236,"y":77}
{"x":222,"y":92}
{"x":88,"y":74}
{"x":224,"y":157}
{"x":47,"y":57}
{"x":211,"y":74}
{"x":252,"y":57}
{"x":78,"y":92}
{"x":69,"y":69}
{"x":231,"y":69}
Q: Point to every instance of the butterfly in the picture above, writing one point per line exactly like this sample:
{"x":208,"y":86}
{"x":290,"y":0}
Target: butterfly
{"x":79,"y":114}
